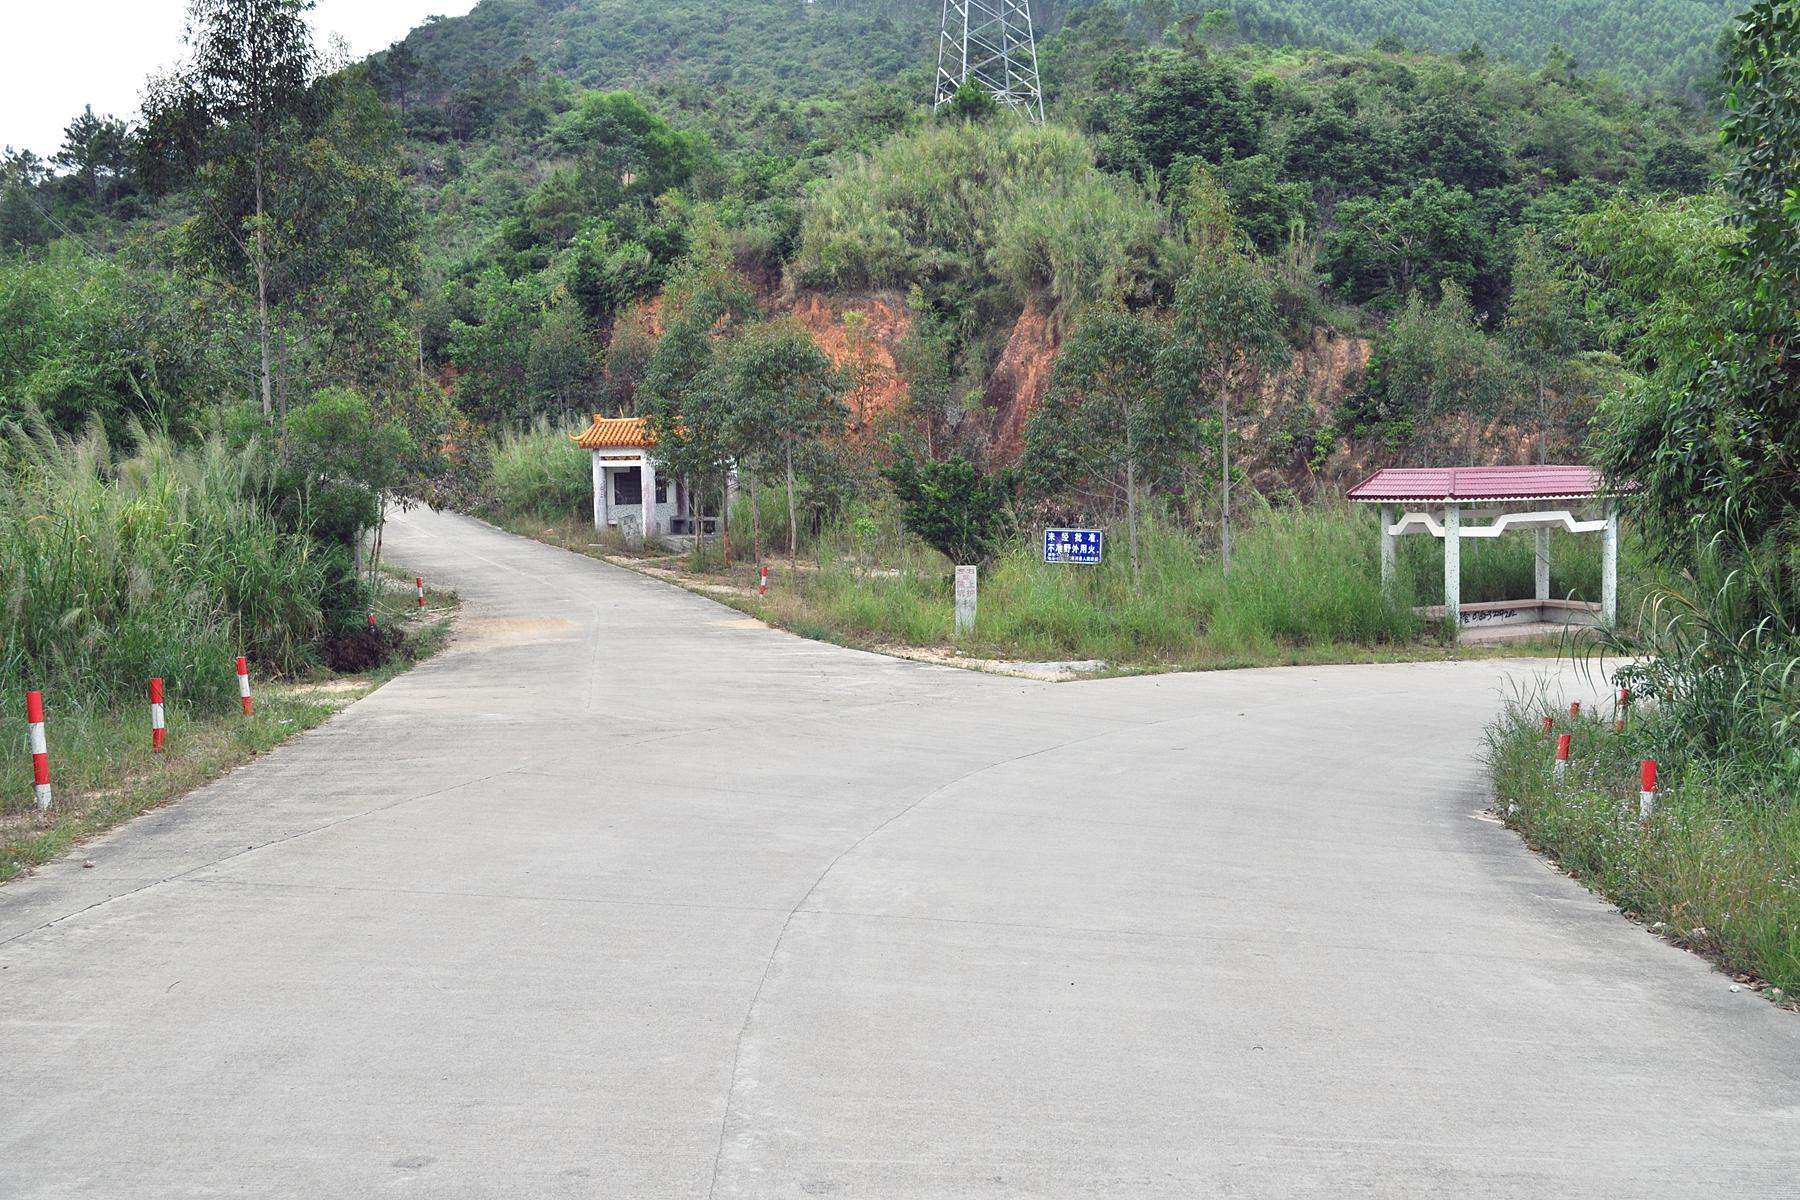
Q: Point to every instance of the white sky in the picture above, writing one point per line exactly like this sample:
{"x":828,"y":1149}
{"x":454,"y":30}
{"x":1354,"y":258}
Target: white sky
{"x":57,"y":55}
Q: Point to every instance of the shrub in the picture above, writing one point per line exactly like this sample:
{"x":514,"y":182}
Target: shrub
{"x":951,"y":506}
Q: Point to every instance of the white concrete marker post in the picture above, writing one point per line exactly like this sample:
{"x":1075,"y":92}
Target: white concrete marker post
{"x":965,"y":599}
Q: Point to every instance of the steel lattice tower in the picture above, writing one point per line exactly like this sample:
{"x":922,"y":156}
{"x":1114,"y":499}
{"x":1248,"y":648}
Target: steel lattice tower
{"x":990,"y":43}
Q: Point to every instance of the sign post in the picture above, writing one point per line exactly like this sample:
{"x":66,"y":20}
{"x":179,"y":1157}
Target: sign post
{"x":1081,"y":546}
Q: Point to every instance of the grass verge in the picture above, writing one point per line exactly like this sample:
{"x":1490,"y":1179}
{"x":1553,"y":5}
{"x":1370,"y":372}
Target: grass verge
{"x":1715,"y":869}
{"x":1304,"y":590}
{"x":104,"y":772}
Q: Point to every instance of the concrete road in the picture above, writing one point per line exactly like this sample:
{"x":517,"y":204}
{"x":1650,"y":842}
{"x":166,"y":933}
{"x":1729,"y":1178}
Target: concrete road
{"x":625,"y":896}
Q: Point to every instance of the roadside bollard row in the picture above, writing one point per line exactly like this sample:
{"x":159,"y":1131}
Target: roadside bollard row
{"x":40,"y":750}
{"x":40,"y":747}
{"x":1565,"y":743}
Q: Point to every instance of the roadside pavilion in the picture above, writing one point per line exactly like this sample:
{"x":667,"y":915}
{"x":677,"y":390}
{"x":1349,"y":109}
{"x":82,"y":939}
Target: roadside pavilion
{"x":1439,"y":500}
{"x":630,"y":493}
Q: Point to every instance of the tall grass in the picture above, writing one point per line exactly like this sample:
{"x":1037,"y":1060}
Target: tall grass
{"x":538,"y":473}
{"x":1715,"y":666}
{"x":1302,"y":578}
{"x":164,"y":563}
{"x":1718,"y":863}
{"x":1717,"y":652}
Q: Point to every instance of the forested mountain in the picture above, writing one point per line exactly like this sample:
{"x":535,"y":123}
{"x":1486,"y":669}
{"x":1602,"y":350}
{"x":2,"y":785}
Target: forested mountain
{"x":543,"y":215}
{"x":799,"y":48}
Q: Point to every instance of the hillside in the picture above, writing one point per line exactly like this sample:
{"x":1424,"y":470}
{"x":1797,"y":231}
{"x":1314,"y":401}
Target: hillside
{"x":792,"y":48}
{"x":521,"y":230}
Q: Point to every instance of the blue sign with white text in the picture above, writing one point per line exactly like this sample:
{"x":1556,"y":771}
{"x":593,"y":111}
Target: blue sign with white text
{"x":1073,"y":546}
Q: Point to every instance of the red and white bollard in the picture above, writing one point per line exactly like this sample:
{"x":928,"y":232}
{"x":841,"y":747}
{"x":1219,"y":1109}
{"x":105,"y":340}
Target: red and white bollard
{"x":1575,"y":709}
{"x":371,"y":620}
{"x":419,"y":582}
{"x":1619,"y":713}
{"x":40,"y":752}
{"x":1562,"y":756}
{"x":157,"y":726}
{"x":762,"y":582}
{"x":1646,"y":789}
{"x":243,"y":668}
{"x":1549,"y":726}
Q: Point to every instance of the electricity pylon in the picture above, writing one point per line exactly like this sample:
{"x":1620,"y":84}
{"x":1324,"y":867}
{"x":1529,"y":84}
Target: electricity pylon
{"x":989,"y":43}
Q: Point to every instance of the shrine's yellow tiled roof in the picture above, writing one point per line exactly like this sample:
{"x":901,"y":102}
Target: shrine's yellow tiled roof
{"x":616,"y":433}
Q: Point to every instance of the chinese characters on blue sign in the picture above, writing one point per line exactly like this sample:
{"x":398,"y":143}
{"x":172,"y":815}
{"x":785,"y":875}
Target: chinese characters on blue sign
{"x":1073,"y":545}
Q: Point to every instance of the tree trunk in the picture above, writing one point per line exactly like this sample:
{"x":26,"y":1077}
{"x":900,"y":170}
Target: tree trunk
{"x":694,"y":509}
{"x":375,"y":549}
{"x":793,"y":517}
{"x":262,"y":295}
{"x":1225,"y":480}
{"x":1543,"y":423}
{"x":725,"y":515}
{"x":755,"y":520}
{"x":281,"y":374}
{"x":1131,"y":522}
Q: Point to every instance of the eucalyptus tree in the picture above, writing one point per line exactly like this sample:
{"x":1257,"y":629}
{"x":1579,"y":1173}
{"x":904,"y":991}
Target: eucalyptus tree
{"x":1110,"y":423}
{"x":249,"y":80}
{"x":785,"y":397}
{"x":686,"y":392}
{"x":1227,"y":336}
{"x":1544,"y":334}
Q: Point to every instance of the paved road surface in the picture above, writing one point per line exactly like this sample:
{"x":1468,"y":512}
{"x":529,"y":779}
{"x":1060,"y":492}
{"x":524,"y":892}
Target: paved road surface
{"x":627,"y":897}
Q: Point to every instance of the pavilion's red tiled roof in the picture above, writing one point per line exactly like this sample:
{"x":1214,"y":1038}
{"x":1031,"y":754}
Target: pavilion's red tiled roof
{"x":616,"y":433}
{"x":1480,"y":483}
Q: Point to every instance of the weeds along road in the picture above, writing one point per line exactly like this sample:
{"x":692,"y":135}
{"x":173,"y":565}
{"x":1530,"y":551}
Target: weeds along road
{"x":626,"y":896}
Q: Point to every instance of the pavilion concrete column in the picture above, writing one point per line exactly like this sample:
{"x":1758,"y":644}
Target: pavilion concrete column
{"x":1543,"y":562}
{"x":647,"y":495}
{"x":1387,"y":545}
{"x":1609,"y":567}
{"x":600,"y":493}
{"x":1453,"y":563}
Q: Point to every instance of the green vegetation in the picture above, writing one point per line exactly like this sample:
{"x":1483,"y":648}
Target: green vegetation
{"x":167,"y":562}
{"x":787,"y":51}
{"x":540,"y":474}
{"x":1306,"y":589}
{"x":1712,"y":870}
{"x":163,"y":564}
{"x":1709,"y":432}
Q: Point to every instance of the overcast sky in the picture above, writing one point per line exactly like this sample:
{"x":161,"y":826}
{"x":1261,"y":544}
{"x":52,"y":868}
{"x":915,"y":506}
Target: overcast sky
{"x":57,"y":55}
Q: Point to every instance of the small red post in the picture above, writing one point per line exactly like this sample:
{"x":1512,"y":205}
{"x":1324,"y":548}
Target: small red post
{"x":40,"y":751}
{"x":371,"y":620}
{"x":1624,"y":703}
{"x":1549,"y":725}
{"x":243,"y":672}
{"x":1562,"y":756}
{"x":157,"y":724}
{"x":1575,"y":708}
{"x":1646,"y":788}
{"x":762,"y":582}
{"x":419,"y":582}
